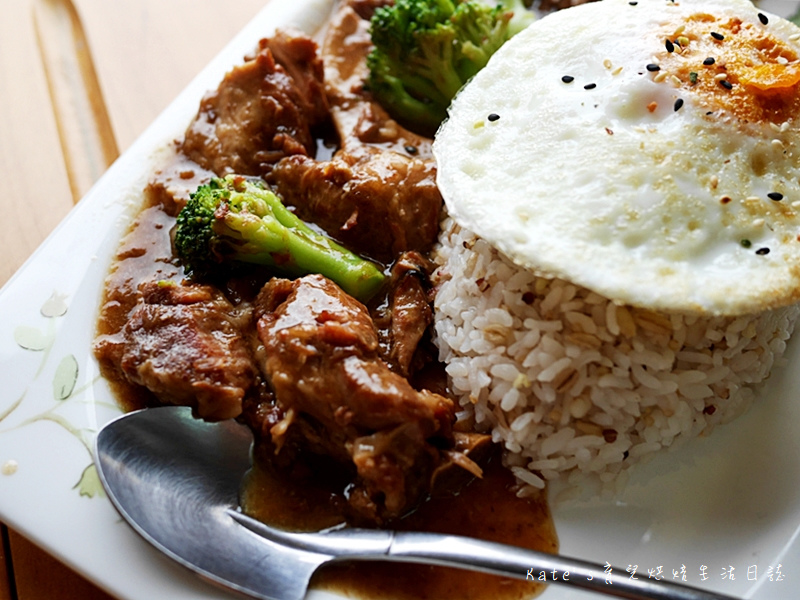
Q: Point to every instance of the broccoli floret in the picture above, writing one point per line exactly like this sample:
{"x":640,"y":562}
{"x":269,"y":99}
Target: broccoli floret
{"x":235,"y":220}
{"x":426,"y":50}
{"x":522,"y":15}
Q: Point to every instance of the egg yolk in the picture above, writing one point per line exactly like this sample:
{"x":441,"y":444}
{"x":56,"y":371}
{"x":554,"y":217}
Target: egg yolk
{"x":772,"y":76}
{"x":733,"y":66}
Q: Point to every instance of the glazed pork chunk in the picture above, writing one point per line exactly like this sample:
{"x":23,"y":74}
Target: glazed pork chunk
{"x":322,"y":363}
{"x":185,"y":344}
{"x":382,"y":177}
{"x":352,"y":199}
{"x":262,"y":111}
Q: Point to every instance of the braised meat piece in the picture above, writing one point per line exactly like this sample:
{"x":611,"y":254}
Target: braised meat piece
{"x":361,"y":122}
{"x":321,"y":360}
{"x":298,"y":55}
{"x":262,"y":111}
{"x":173,"y":183}
{"x":184,"y":343}
{"x":403,"y":319}
{"x":378,"y":194}
{"x":379,"y":206}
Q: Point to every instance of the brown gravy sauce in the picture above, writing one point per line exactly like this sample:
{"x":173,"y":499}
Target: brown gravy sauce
{"x":145,"y":254}
{"x":484,"y":508}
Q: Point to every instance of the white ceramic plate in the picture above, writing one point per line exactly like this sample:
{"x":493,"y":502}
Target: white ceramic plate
{"x":725,"y":508}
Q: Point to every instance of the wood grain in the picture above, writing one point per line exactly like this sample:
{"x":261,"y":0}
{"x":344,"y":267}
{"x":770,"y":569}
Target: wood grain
{"x":84,"y":129}
{"x":146,"y":52}
{"x":142,"y":53}
{"x":36,"y":192}
{"x":39,"y":576}
{"x":79,"y":81}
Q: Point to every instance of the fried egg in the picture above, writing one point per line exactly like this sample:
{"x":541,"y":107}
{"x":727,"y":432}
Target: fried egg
{"x":645,"y":150}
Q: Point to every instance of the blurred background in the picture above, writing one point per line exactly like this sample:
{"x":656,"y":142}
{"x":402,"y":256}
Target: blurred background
{"x":79,"y":81}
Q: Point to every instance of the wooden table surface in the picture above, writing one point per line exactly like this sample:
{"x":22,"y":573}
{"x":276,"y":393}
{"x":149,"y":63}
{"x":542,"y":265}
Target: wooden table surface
{"x":79,"y":81}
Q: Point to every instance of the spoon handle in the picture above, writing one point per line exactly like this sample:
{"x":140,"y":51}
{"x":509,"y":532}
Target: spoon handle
{"x":500,"y":559}
{"x":477,"y":555}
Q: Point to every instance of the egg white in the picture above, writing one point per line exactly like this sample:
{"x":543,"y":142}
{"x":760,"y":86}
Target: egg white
{"x":625,"y":180}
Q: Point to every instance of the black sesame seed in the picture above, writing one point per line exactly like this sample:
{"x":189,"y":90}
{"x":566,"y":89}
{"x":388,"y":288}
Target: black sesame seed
{"x":709,"y":61}
{"x":634,"y":3}
{"x":670,"y":46}
{"x":493,"y":117}
{"x":590,"y":86}
{"x":717,"y":36}
{"x":762,"y":251}
{"x":411,"y":149}
{"x":678,"y":104}
{"x":763,"y":18}
{"x":777,"y":196}
{"x":653,"y":67}
{"x":746,"y":243}
{"x":567,"y":79}
{"x":726,"y":84}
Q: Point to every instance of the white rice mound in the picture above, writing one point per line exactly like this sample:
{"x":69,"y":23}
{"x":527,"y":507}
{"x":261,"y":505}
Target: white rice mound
{"x":572,"y":384}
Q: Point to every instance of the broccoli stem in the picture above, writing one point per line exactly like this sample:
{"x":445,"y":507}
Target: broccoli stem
{"x":279,"y":238}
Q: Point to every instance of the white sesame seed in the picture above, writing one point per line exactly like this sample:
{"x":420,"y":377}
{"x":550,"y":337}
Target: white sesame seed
{"x":607,"y":63}
{"x":777,"y":144}
{"x":794,"y":37}
{"x":784,"y":126}
{"x":617,"y":71}
{"x":720,"y":76}
{"x":675,"y":81}
{"x":782,"y":60}
{"x":758,"y":222}
{"x":661,"y":76}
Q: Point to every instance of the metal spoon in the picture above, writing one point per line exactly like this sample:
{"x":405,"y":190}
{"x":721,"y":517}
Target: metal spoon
{"x":176,"y":479}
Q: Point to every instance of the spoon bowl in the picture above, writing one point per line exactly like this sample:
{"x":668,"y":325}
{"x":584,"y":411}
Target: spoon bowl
{"x":176,"y":480}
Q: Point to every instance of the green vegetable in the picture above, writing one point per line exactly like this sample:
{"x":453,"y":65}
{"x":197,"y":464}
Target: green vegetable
{"x":426,"y":50}
{"x":522,"y":16}
{"x":234,"y":220}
